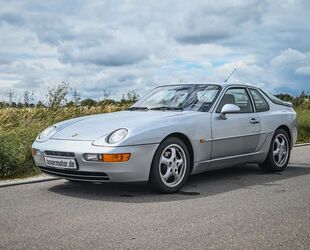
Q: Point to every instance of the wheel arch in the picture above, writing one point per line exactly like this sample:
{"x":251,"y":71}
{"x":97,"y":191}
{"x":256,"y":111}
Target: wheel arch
{"x":288,"y":131}
{"x":188,"y":144}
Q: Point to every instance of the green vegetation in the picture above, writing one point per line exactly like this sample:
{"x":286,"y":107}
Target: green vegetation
{"x":303,"y":124}
{"x":301,"y":104}
{"x":20,"y":123}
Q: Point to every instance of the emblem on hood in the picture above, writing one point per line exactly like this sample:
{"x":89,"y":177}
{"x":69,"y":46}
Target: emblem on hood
{"x":74,"y":135}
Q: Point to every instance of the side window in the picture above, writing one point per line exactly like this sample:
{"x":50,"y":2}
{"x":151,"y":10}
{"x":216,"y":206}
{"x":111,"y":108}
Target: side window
{"x":261,"y":104}
{"x":239,"y":97}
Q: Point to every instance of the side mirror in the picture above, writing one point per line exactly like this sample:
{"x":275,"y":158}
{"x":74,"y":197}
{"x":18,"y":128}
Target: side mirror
{"x":229,"y":109}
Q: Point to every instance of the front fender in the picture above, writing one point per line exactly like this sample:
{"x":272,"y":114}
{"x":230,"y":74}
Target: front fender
{"x":196,"y":126}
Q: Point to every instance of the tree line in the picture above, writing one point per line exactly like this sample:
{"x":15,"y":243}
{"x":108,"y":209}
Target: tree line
{"x":301,"y":100}
{"x":58,"y":97}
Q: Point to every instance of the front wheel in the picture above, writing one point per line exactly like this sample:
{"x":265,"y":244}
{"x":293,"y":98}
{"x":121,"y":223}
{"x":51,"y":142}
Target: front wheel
{"x":279,"y":152}
{"x":170,"y":167}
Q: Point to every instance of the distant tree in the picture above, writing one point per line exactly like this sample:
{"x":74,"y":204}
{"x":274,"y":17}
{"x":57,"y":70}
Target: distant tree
{"x":107,"y":102}
{"x":57,"y":96}
{"x":88,"y":102}
{"x":13,"y":104}
{"x":130,"y":97}
{"x":71,"y":104}
{"x":20,"y":105}
{"x":40,"y":105}
{"x":303,"y":95}
{"x":285,"y":97}
{"x":106,"y":94}
{"x":4,"y":105}
{"x":28,"y":97}
{"x":299,"y":101}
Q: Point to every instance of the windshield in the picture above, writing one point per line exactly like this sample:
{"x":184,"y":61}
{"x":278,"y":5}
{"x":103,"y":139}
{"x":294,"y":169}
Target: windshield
{"x":194,"y":98}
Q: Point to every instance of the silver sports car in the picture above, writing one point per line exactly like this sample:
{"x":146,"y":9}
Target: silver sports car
{"x":172,"y":132}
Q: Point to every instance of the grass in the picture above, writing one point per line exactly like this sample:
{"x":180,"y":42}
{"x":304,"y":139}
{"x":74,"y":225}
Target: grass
{"x":20,"y":126}
{"x":303,"y":124}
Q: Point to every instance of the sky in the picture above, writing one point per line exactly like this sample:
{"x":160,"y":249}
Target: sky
{"x":122,"y":45}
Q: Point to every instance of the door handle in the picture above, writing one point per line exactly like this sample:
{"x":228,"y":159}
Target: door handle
{"x":254,"y":121}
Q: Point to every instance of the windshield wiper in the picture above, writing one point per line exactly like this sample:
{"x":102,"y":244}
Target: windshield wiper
{"x":138,"y":108}
{"x":167,"y":108}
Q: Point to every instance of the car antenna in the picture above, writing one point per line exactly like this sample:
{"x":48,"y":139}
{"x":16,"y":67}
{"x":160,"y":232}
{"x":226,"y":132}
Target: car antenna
{"x":230,"y":75}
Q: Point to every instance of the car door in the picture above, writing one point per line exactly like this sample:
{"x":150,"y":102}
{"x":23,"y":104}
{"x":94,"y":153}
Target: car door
{"x":240,"y":132}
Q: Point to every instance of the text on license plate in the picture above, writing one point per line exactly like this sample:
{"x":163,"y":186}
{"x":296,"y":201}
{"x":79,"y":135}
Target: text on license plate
{"x":61,"y":163}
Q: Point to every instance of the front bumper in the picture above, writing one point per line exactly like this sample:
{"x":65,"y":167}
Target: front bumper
{"x":136,"y":169}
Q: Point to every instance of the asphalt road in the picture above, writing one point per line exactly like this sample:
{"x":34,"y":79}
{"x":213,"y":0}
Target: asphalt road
{"x":234,"y":208}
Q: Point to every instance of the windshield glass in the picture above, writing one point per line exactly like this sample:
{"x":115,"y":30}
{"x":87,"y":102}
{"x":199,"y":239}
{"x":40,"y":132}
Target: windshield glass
{"x":194,"y":98}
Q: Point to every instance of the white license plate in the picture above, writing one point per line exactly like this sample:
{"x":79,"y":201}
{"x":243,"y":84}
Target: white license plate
{"x":63,"y":163}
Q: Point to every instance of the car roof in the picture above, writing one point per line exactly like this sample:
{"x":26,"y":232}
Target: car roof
{"x":223,"y":85}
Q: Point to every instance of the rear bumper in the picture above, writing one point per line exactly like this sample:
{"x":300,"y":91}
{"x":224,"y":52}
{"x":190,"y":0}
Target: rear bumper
{"x":136,"y":169}
{"x":294,"y":136}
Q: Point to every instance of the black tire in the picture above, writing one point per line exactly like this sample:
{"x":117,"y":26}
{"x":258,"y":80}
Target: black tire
{"x":270,"y":163}
{"x":156,"y":181}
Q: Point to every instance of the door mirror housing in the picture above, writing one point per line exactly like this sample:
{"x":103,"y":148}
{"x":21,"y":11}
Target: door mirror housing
{"x":229,"y":109}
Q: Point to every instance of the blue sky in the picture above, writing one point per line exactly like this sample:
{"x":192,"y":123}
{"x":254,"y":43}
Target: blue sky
{"x":120,"y":46}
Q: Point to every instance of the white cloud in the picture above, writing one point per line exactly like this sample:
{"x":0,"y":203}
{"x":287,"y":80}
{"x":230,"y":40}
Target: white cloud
{"x":287,"y":58}
{"x":304,"y":70}
{"x":124,"y":45}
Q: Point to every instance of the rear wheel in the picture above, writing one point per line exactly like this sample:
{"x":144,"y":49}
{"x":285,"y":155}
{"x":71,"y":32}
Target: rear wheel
{"x":170,"y":166}
{"x":279,"y":152}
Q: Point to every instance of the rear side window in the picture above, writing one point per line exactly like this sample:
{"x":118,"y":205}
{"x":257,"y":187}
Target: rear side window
{"x":260,"y":103}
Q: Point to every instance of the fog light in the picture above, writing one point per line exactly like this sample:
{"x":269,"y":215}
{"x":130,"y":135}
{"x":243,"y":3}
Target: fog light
{"x":36,"y":152}
{"x":92,"y":157}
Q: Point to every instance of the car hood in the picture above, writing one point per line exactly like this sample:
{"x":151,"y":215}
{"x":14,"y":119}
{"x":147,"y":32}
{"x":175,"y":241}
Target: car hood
{"x":96,"y":126}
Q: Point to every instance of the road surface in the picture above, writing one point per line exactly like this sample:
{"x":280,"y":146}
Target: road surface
{"x":234,"y":208}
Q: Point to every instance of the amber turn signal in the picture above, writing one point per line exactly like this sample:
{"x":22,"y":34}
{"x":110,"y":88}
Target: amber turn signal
{"x":35,"y":152}
{"x":115,"y":157}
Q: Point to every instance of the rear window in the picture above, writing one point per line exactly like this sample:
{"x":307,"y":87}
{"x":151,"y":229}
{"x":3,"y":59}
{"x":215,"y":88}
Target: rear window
{"x":276,"y":100}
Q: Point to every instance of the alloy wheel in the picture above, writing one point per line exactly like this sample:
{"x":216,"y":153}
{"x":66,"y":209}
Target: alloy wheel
{"x":172,"y":165}
{"x":280,"y":150}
